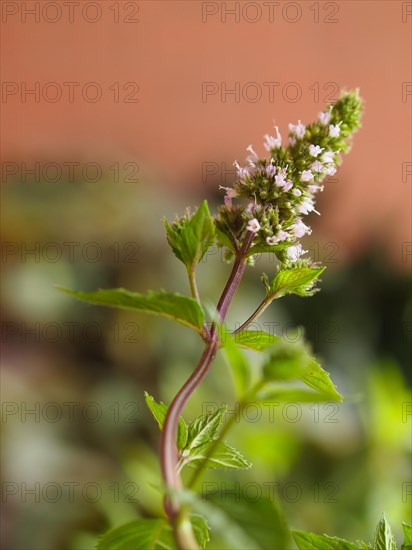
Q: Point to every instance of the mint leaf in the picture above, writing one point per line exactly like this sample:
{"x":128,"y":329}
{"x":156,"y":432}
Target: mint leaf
{"x":407,"y":532}
{"x":287,"y":361}
{"x":384,"y":539}
{"x":190,"y":237}
{"x":183,"y":309}
{"x":200,"y":529}
{"x":312,"y":541}
{"x":150,"y":534}
{"x":224,"y":456}
{"x":291,"y":395}
{"x":159,"y":411}
{"x":204,"y":428}
{"x":295,"y":280}
{"x":257,"y":340}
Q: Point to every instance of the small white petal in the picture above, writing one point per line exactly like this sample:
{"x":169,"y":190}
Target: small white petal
{"x":253,"y":225}
{"x":306,"y":175}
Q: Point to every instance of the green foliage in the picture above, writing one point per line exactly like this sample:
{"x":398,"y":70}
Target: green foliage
{"x":202,"y":444}
{"x":293,"y":280}
{"x":237,"y":361}
{"x":142,"y":534}
{"x":407,"y":532}
{"x":204,"y":428}
{"x":311,"y":541}
{"x":159,"y":411}
{"x":272,"y":393}
{"x":223,"y":456}
{"x":150,"y":534}
{"x":200,"y":529}
{"x":269,"y":222}
{"x":257,"y":340}
{"x":384,"y":539}
{"x":191,"y":236}
{"x":183,"y":309}
{"x":253,"y":524}
{"x":287,"y":361}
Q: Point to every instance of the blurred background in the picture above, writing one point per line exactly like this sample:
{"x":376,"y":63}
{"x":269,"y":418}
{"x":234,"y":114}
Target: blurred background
{"x":115,"y":114}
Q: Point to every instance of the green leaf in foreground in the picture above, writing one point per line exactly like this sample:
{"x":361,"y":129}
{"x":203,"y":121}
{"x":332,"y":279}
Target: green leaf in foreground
{"x":257,"y":340}
{"x":204,"y":428}
{"x":287,"y":361}
{"x":159,"y":411}
{"x":258,"y":520}
{"x":294,"y":280}
{"x":312,"y":541}
{"x":150,"y":534}
{"x":384,"y":539}
{"x":191,"y":236}
{"x":142,"y":534}
{"x":291,"y":395}
{"x":407,"y":532}
{"x":200,"y":529}
{"x":183,"y":309}
{"x":224,"y":456}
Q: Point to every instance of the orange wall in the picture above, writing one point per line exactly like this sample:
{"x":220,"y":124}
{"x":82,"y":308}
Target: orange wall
{"x":175,"y":47}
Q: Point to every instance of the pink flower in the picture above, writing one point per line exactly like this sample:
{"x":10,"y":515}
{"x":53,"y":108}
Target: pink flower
{"x":315,"y":150}
{"x":295,"y":252}
{"x":324,"y":117}
{"x":328,"y":156}
{"x":253,"y":225}
{"x":334,"y":130}
{"x":299,"y":229}
{"x":306,"y":175}
{"x":281,"y":236}
{"x":230,"y":194}
{"x":317,"y":166}
{"x":298,"y":129}
{"x":253,"y":153}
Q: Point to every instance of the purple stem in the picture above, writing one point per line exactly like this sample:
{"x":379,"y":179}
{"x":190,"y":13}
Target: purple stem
{"x":168,"y":450}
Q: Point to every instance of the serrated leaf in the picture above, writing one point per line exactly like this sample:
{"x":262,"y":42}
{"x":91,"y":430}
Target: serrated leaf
{"x":287,"y":361}
{"x":204,"y":428}
{"x":150,"y":534}
{"x":312,"y":541}
{"x":291,"y":395}
{"x":141,"y":534}
{"x":384,"y":539}
{"x":200,"y":529}
{"x":159,"y":411}
{"x":297,"y":280}
{"x":407,"y":532}
{"x":191,"y":237}
{"x":224,"y":456}
{"x":183,"y":309}
{"x":257,"y":340}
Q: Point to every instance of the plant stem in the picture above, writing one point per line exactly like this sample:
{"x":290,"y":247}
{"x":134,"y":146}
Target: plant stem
{"x":195,"y":294}
{"x":258,"y":311}
{"x":169,"y":455}
{"x":193,"y":286}
{"x":235,"y":277}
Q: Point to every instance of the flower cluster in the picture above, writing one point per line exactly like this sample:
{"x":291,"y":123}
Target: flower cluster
{"x":281,"y":188}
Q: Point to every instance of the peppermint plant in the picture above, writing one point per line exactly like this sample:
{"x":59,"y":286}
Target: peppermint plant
{"x":263,"y":213}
